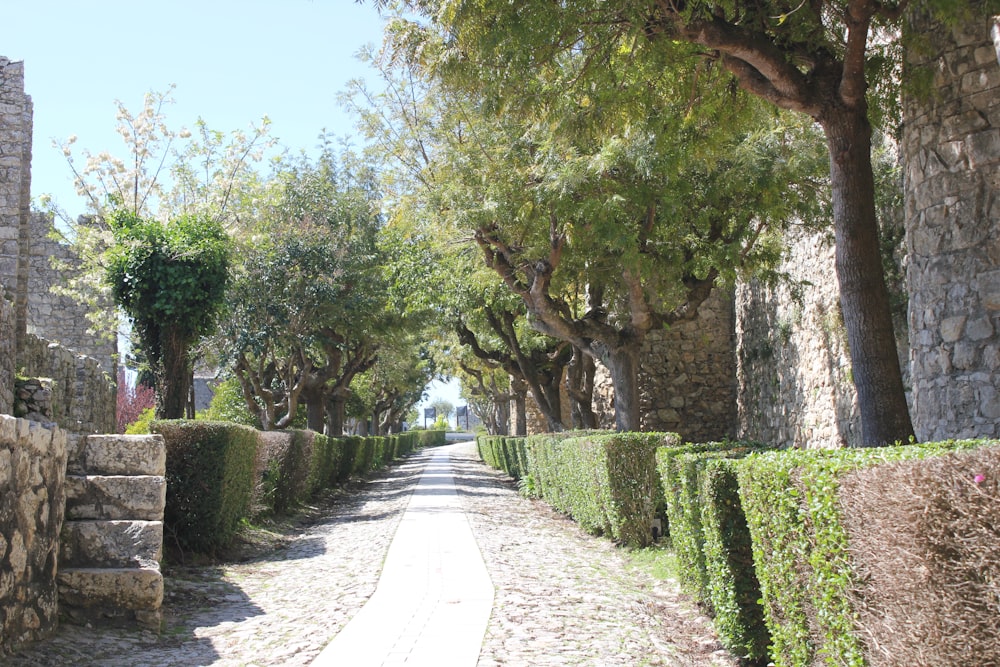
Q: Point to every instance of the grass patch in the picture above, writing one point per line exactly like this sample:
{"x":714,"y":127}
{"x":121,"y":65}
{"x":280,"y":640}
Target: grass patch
{"x":658,"y":561}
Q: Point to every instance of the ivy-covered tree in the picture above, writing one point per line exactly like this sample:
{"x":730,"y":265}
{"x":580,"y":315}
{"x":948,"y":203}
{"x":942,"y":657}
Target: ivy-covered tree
{"x":162,"y":173}
{"x":170,"y":279}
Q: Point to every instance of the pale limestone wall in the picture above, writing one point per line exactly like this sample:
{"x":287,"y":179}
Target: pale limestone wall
{"x":686,"y":374}
{"x":793,"y":368}
{"x":112,"y":540}
{"x":83,"y":396}
{"x":61,"y":319}
{"x":32,"y":506}
{"x":951,"y":148}
{"x":15,"y":183}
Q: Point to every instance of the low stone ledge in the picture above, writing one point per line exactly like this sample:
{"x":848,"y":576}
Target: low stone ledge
{"x":121,"y":455}
{"x":125,"y":588}
{"x":111,"y":544}
{"x":112,"y":497}
{"x":119,"y":597}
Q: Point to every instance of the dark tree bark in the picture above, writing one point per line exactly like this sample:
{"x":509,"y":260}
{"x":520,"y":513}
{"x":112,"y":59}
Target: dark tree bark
{"x":580,"y":389}
{"x":173,"y":376}
{"x":864,"y":297}
{"x":623,"y":365}
{"x":335,"y":414}
{"x":314,"y":399}
{"x":519,"y":393}
{"x":615,"y":345}
{"x":489,"y":402}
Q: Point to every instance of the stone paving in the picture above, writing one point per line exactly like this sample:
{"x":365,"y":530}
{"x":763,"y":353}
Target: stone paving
{"x":562,"y":597}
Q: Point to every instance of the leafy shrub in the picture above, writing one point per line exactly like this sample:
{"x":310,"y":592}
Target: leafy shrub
{"x":325,"y":464}
{"x":141,"y":425}
{"x":227,"y":405}
{"x":801,"y":550}
{"x":679,"y":481}
{"x":350,"y":450}
{"x":732,"y":582}
{"x":605,"y":481}
{"x":210,"y":480}
{"x":431,"y":438}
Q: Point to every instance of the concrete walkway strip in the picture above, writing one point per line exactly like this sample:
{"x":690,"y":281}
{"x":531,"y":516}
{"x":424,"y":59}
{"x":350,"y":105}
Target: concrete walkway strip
{"x":434,"y":597}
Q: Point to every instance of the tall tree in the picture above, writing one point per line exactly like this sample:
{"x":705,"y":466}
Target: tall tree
{"x":308,"y":302}
{"x":621,"y":189}
{"x":163,"y":173}
{"x":827,"y":59}
{"x":170,"y":280}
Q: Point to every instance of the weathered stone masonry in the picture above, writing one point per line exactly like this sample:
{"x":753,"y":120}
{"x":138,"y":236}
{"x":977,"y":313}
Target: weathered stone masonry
{"x":102,"y":565}
{"x":793,"y":368}
{"x":32,"y":504}
{"x":951,"y":148}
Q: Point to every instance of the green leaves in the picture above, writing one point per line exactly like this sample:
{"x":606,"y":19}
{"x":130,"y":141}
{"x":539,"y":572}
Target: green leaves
{"x":168,"y":275}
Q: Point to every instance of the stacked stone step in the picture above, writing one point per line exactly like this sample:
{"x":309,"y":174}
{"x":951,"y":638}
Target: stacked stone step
{"x":112,"y":541}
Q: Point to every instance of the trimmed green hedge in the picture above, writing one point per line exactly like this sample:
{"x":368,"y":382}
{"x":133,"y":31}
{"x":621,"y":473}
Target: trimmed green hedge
{"x":711,"y":539}
{"x":210,"y":481}
{"x":219,"y":473}
{"x":800,"y":547}
{"x":606,"y":481}
{"x":432,"y":438}
{"x":732,"y":581}
{"x":504,"y":453}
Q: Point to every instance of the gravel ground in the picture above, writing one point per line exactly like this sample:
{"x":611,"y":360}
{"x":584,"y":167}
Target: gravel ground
{"x":562,"y":597}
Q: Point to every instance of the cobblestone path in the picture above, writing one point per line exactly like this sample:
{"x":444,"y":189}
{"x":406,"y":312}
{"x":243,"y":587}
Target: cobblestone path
{"x":562,"y":597}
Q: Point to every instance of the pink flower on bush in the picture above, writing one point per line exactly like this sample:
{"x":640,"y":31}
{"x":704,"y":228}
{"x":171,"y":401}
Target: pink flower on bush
{"x":979,"y":479}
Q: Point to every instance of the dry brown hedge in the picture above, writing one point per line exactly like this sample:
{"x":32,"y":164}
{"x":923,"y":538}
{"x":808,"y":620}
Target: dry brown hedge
{"x":925,"y":540}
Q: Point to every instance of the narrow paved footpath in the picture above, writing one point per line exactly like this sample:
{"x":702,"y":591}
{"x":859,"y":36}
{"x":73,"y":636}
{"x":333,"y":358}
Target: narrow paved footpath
{"x":459,"y":535}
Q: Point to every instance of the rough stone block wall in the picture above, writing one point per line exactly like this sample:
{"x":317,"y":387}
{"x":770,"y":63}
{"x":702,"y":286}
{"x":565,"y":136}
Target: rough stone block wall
{"x":793,"y":369}
{"x":83,"y":395}
{"x":15,"y":182}
{"x":8,"y":357}
{"x":32,"y":506}
{"x":58,"y":318}
{"x":112,"y":541}
{"x":685,"y":377}
{"x":951,"y":149}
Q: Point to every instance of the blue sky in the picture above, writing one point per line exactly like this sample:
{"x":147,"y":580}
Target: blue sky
{"x":232,"y":62}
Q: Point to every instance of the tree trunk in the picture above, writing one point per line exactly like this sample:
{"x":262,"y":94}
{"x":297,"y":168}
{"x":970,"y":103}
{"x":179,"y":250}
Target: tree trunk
{"x":864,"y":297}
{"x":173,"y":377}
{"x":580,"y":388}
{"x":190,"y":409}
{"x":335,"y":415}
{"x":623,"y":365}
{"x":315,"y":410}
{"x":520,"y":413}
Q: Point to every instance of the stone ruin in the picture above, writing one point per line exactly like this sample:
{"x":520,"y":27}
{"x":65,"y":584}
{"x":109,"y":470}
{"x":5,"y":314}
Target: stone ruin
{"x":81,"y":513}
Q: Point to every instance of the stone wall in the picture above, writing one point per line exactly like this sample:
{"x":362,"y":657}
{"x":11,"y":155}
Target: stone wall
{"x":32,"y":505}
{"x":15,"y":183}
{"x":793,"y":368}
{"x":112,"y":541}
{"x":951,"y":147}
{"x":59,"y":318}
{"x":7,"y":357}
{"x":685,"y":377}
{"x":83,"y":395}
